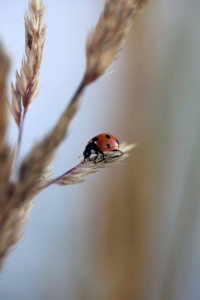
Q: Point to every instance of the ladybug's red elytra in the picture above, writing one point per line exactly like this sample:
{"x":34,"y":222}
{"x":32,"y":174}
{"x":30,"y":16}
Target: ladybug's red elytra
{"x":100,"y":143}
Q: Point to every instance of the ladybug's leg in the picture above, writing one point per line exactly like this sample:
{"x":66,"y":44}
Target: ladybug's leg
{"x":97,"y":153}
{"x":87,"y":158}
{"x":101,"y":152}
{"x":103,"y":157}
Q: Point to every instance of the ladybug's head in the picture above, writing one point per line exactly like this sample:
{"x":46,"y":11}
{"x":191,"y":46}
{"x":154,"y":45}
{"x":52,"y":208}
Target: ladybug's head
{"x":87,"y":152}
{"x":90,"y":149}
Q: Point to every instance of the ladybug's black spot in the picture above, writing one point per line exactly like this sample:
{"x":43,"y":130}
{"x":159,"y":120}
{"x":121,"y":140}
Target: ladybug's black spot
{"x":107,"y":136}
{"x":117,"y":142}
{"x":95,"y":139}
{"x":108,"y":145}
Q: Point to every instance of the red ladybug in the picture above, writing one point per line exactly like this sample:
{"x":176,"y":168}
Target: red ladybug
{"x":100,"y":143}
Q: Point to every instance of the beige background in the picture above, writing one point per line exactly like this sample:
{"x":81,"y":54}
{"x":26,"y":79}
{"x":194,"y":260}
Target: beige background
{"x":131,"y":231}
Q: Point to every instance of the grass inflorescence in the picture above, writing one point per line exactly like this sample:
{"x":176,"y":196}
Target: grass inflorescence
{"x":21,"y":181}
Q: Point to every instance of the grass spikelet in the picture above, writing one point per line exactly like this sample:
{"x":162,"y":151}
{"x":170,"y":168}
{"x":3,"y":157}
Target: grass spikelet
{"x":78,"y":174}
{"x":106,"y":39}
{"x":4,"y":66}
{"x":26,"y":87}
{"x":5,"y":153}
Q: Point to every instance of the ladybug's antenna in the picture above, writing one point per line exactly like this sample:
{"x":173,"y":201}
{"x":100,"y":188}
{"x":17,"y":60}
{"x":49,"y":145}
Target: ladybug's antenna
{"x":80,"y":156}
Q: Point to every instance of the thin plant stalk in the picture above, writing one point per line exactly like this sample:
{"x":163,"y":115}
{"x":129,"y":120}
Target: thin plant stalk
{"x":14,"y":173}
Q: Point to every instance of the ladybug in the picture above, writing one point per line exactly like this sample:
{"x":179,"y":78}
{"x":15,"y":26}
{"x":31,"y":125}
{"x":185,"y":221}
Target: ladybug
{"x":100,"y":143}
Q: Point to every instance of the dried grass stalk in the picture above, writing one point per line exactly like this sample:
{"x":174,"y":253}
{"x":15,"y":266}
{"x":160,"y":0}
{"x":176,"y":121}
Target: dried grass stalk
{"x":105,"y":41}
{"x":4,"y":66}
{"x":35,"y":163}
{"x":103,"y":45}
{"x":13,"y":220}
{"x":27,"y":81}
{"x":7,"y":231}
{"x":27,"y":87}
{"x":5,"y":152}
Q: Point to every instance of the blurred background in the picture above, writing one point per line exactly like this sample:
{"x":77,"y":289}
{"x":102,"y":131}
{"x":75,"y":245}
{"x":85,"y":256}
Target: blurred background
{"x":131,"y":231}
